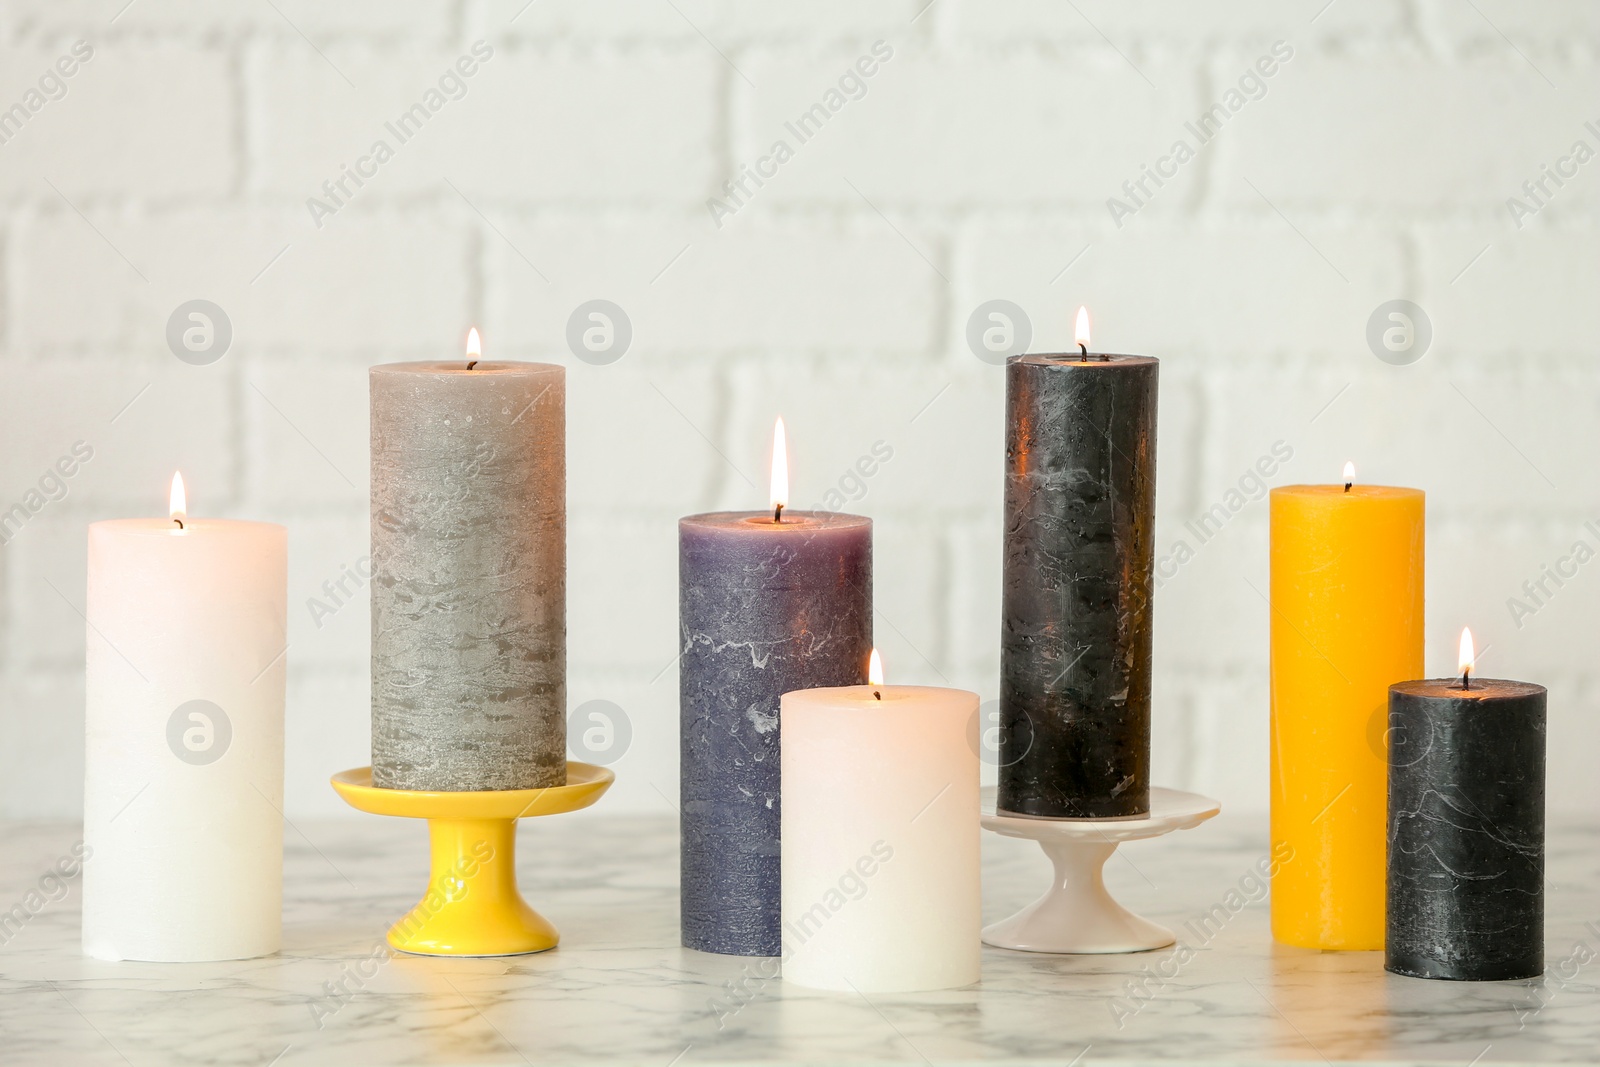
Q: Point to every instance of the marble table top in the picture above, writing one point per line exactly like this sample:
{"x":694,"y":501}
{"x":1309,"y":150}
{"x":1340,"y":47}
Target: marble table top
{"x":619,"y":989}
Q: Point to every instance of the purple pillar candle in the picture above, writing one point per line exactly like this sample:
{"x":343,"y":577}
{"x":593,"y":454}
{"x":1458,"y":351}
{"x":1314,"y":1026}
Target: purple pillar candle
{"x":765,"y":607}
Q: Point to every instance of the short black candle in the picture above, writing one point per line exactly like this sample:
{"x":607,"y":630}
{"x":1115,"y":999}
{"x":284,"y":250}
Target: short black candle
{"x":1076,"y":612}
{"x":1466,"y":830}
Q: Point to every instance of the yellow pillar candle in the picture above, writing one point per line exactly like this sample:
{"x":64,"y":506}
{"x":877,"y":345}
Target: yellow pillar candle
{"x":1347,"y":571}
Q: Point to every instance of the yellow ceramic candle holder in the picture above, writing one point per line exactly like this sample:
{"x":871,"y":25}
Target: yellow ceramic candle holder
{"x":472,"y":906}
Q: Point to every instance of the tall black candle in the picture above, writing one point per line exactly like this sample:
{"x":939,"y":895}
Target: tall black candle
{"x":1076,"y":613}
{"x":765,"y":607}
{"x":1466,"y":830}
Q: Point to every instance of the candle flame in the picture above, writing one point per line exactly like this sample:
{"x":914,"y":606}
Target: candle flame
{"x":1349,"y":473}
{"x":177,"y":501}
{"x":474,"y":344}
{"x":1080,"y":333}
{"x":874,"y":668}
{"x":1467,"y":653}
{"x":780,"y":468}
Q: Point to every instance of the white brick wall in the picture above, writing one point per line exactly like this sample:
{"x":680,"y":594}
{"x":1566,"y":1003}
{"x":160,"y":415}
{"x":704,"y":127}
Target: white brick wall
{"x":977,"y":165}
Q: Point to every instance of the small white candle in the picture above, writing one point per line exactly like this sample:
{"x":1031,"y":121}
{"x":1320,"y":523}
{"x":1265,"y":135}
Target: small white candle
{"x":880,"y":837}
{"x":183,"y":776}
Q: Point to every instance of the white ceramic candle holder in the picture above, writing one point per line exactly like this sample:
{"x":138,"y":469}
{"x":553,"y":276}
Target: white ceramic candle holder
{"x":1077,"y":914}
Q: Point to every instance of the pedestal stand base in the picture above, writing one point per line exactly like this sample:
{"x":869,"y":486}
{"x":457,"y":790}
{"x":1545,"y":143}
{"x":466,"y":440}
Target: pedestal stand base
{"x":472,"y":906}
{"x":1077,"y":914}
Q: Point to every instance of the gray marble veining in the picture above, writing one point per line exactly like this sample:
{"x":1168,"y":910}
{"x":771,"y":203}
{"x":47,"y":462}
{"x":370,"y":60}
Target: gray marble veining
{"x":621,"y":989}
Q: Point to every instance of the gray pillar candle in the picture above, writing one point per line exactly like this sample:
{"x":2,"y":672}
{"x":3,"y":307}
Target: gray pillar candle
{"x":469,"y":583}
{"x":1076,"y":612}
{"x":1466,"y":830}
{"x":764,"y":608}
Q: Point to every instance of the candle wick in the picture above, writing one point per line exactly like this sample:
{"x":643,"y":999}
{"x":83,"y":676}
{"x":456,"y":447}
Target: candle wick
{"x":179,"y":522}
{"x":471,"y":363}
{"x":877,"y":695}
{"x":1347,"y":486}
{"x":777,"y":513}
{"x":1084,"y":349}
{"x":1465,"y":676}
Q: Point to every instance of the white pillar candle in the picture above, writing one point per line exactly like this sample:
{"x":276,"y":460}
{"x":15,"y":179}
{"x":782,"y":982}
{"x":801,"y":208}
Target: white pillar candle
{"x":183,"y":775}
{"x":880,"y":838}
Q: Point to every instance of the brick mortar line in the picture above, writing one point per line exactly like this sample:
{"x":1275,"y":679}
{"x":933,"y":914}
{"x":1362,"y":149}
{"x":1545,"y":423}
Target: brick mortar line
{"x":1573,"y":47}
{"x":428,"y":203}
